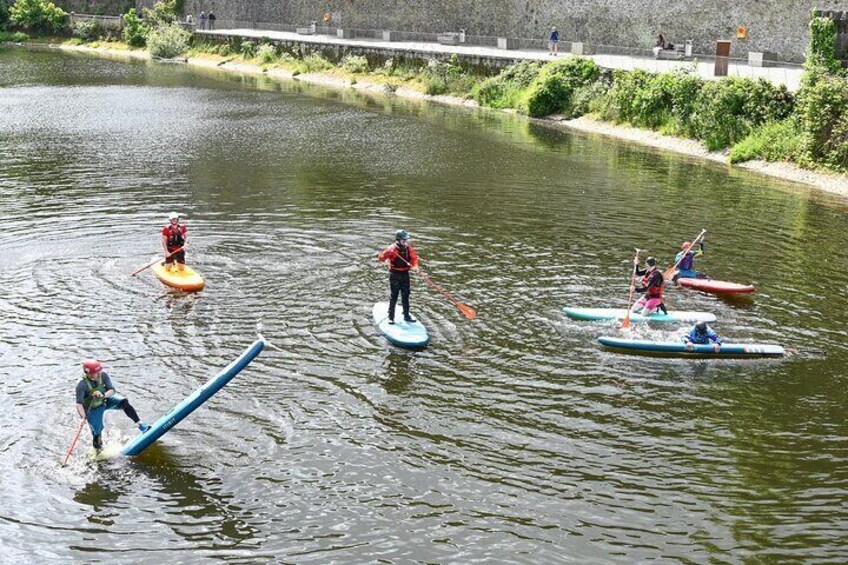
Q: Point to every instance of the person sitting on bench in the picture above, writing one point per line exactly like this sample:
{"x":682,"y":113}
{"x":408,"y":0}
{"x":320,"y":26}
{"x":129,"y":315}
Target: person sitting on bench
{"x":661,"y":45}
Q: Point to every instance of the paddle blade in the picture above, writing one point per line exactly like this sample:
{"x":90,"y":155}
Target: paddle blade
{"x":467,"y":311}
{"x":625,"y":323}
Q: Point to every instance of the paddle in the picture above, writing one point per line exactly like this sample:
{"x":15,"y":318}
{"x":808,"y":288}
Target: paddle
{"x":175,"y":251}
{"x":626,"y":322}
{"x":73,"y":442}
{"x":466,"y":310}
{"x":670,"y":271}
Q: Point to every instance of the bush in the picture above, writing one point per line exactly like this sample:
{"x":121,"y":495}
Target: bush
{"x":86,"y":32}
{"x":266,"y":53}
{"x":15,"y":37}
{"x":4,"y":14}
{"x":590,"y":99}
{"x":822,"y":109}
{"x":355,"y":64}
{"x":163,"y":13}
{"x":135,"y":31}
{"x":38,"y":16}
{"x":505,"y":89}
{"x":315,"y":63}
{"x":247,"y":49}
{"x":551,"y":91}
{"x":821,"y":53}
{"x":772,"y":141}
{"x":168,"y":41}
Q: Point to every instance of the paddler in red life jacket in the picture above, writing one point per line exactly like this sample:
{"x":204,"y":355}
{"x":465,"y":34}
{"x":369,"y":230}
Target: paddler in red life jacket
{"x":174,"y":236}
{"x":401,"y":258}
{"x":95,"y":394}
{"x":652,"y":285}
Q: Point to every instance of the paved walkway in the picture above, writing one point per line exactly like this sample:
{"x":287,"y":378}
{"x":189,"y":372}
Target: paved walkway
{"x":787,"y":74}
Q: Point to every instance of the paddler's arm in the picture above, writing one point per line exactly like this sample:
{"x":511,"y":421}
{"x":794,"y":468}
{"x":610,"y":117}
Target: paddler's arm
{"x":386,"y":254}
{"x":413,"y":259}
{"x":165,"y":243}
{"x":110,"y":389}
{"x":80,"y":396}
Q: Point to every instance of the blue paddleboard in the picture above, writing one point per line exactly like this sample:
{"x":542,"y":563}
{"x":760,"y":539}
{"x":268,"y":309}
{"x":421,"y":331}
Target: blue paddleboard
{"x":404,"y":334}
{"x":190,"y":404}
{"x":683,"y":349}
{"x":619,"y":313}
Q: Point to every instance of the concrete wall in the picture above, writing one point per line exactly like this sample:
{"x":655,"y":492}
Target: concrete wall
{"x":778,"y":26}
{"x":98,"y":7}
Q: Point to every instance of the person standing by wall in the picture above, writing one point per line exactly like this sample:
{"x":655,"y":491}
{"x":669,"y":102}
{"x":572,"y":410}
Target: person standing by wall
{"x":212,"y":19}
{"x":553,"y":42}
{"x":202,"y":20}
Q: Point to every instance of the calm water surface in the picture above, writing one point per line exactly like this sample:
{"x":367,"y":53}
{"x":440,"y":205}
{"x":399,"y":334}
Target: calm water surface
{"x":512,"y":439}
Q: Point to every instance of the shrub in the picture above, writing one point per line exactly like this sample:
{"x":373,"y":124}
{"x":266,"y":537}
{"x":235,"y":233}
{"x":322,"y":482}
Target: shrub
{"x":266,"y":53}
{"x":15,"y":37}
{"x":86,"y":32}
{"x":822,"y":107}
{"x":772,"y":141}
{"x":135,"y":31}
{"x":355,"y":64}
{"x":551,"y":91}
{"x":822,"y":50}
{"x":315,"y":62}
{"x":505,"y":89}
{"x":590,"y":99}
{"x":247,"y":49}
{"x":168,"y":41}
{"x":4,"y":14}
{"x":38,"y":16}
{"x":164,"y":12}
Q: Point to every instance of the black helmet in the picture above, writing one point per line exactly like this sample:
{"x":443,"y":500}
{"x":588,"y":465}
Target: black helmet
{"x":651,"y":262}
{"x":701,"y":327}
{"x":401,"y":234}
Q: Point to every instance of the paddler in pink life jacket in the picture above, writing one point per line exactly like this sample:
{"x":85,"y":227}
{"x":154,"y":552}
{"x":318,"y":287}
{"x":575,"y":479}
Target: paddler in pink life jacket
{"x":95,"y":394}
{"x":401,"y":258}
{"x":685,"y":261}
{"x":174,"y":236}
{"x":652,"y":285}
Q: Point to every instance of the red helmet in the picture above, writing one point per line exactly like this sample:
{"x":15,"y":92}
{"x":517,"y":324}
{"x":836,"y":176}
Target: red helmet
{"x":686,"y":245}
{"x":91,"y":366}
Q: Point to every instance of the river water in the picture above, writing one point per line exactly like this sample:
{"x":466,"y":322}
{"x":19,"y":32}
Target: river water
{"x":512,"y":438}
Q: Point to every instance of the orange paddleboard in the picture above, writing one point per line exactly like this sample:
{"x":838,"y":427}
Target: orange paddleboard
{"x":188,"y":279}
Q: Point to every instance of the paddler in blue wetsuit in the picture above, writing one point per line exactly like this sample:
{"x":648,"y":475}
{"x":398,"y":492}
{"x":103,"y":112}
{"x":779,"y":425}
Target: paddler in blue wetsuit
{"x":702,"y":334}
{"x":95,"y":394}
{"x":652,"y":285}
{"x":685,"y":261}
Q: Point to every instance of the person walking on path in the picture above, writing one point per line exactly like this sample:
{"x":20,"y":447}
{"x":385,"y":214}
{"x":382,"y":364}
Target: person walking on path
{"x":202,"y":20}
{"x":553,"y":42}
{"x":94,"y":395}
{"x":652,"y":285}
{"x":401,"y":258}
{"x":174,"y":236}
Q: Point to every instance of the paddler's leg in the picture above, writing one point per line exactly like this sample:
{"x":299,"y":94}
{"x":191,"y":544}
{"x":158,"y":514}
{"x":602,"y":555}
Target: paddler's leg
{"x":169,"y":262}
{"x":404,"y":297}
{"x":394,"y":285}
{"x":95,"y":422}
{"x":639,"y":305}
{"x":179,"y":259}
{"x":117,"y":401}
{"x":651,"y":306}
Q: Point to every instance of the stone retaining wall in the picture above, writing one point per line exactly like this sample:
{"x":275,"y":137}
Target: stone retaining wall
{"x":778,"y":26}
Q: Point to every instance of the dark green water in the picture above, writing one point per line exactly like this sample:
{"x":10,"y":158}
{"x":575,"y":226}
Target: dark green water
{"x":512,"y":439}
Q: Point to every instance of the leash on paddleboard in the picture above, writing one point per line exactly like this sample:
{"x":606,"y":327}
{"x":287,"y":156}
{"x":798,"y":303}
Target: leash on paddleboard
{"x":73,"y":442}
{"x":626,"y":322}
{"x":466,"y":310}
{"x":174,"y":252}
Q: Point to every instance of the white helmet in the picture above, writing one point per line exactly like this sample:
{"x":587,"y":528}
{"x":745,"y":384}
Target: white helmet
{"x":173,"y":216}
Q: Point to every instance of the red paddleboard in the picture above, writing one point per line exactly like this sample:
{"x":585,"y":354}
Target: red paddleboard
{"x":716,"y":287}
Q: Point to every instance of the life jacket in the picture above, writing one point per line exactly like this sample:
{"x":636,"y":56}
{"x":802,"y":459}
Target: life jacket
{"x":89,"y":401}
{"x":401,"y":260}
{"x":175,"y":236}
{"x":655,"y":291}
{"x":687,"y":261}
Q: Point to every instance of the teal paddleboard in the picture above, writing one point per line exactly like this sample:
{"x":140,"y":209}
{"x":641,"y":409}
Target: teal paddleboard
{"x":678,"y":348}
{"x":403,"y":334}
{"x":620,"y":313}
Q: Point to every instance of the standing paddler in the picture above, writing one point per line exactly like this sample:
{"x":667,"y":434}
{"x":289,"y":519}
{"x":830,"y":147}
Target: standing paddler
{"x":400,"y":258}
{"x":95,"y":394}
{"x":174,"y":237}
{"x":652,"y":285}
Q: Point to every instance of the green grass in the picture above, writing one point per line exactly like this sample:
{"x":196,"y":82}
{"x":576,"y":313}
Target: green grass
{"x":772,"y":141}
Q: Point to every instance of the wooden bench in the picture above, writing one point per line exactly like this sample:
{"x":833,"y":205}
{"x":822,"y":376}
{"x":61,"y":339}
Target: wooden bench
{"x":677,"y":53}
{"x":448,"y":38}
